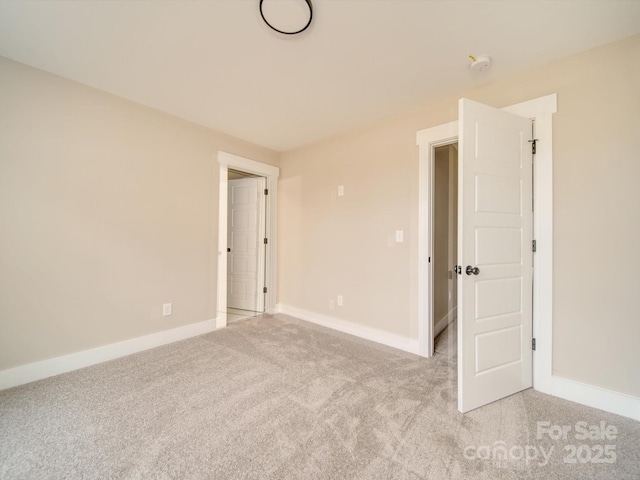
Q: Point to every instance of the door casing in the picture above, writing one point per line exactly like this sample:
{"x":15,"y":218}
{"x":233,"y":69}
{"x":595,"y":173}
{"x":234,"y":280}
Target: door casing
{"x":541,"y":111}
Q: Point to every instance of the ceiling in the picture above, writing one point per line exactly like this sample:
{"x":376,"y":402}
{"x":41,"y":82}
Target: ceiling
{"x":217,"y":64}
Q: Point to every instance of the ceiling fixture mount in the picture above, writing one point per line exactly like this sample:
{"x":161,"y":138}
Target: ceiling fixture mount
{"x":286,"y":30}
{"x":480,"y":64}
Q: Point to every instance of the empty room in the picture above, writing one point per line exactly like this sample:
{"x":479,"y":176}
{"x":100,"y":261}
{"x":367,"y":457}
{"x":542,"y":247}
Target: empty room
{"x":319,"y":239}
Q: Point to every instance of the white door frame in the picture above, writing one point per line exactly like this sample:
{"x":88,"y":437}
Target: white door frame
{"x":541,"y":111}
{"x":271,"y":174}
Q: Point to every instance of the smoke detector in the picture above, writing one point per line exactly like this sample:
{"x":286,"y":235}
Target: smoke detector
{"x":479,"y":64}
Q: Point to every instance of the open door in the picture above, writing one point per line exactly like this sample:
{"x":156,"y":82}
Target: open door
{"x":495,"y":255}
{"x":245,"y":248}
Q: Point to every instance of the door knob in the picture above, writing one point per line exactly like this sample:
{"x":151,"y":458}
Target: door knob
{"x":472,"y":270}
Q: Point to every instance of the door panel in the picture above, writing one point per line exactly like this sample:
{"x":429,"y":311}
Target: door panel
{"x":498,"y":297}
{"x":497,"y":245}
{"x":498,"y":194}
{"x":500,"y":347}
{"x":245,"y":278}
{"x":495,"y":234}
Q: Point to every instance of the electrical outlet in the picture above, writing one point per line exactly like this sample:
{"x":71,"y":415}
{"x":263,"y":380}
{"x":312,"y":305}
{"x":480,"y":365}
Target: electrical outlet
{"x":399,"y":236}
{"x":166,"y":309}
{"x":340,"y":300}
{"x":341,"y":190}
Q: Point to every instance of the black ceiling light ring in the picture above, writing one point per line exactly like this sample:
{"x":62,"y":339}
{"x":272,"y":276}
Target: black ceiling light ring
{"x":308,"y":2}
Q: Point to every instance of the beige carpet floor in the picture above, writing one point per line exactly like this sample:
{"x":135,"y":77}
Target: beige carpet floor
{"x":273,"y":397}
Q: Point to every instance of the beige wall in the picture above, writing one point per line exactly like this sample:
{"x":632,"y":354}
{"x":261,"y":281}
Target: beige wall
{"x":107,"y":210}
{"x":453,"y":224}
{"x":441,"y":241}
{"x":332,"y":245}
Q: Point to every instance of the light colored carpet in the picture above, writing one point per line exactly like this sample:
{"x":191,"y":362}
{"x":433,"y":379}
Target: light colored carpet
{"x":276,"y":398}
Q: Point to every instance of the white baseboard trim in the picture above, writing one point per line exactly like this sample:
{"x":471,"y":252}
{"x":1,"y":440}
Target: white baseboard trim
{"x":379,"y":336}
{"x":445,"y":321}
{"x":592,"y":396}
{"x":31,"y":372}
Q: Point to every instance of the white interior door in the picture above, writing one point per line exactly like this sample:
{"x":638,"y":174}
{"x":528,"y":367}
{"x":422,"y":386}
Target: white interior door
{"x":494,"y":237}
{"x":245,"y":244}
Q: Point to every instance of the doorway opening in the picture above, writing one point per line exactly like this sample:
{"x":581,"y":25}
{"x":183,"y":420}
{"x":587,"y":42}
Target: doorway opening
{"x":491,"y":247}
{"x":445,"y":248}
{"x":246,"y":250}
{"x":247,"y":238}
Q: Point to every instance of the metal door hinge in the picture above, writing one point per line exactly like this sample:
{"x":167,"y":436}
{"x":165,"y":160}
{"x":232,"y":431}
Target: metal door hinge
{"x":266,"y":191}
{"x":533,"y":145}
{"x":533,"y":344}
{"x":266,"y":241}
{"x":534,"y":246}
{"x":264,"y":290}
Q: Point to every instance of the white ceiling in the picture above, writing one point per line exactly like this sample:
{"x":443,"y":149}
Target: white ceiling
{"x":217,"y":64}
